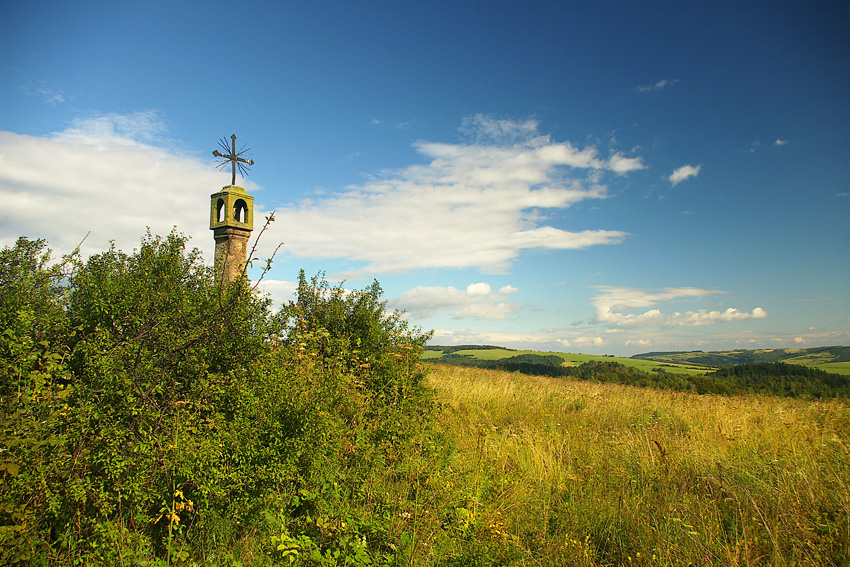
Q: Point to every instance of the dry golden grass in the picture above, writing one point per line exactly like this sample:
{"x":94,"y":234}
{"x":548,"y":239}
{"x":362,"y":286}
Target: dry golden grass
{"x":577,"y":473}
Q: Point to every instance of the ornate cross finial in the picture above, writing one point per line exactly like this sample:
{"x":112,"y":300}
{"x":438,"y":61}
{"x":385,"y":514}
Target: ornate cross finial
{"x":233,"y":158}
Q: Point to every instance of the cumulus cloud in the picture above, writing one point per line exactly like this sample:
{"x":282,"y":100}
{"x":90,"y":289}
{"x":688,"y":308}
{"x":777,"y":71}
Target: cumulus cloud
{"x":683,"y":173}
{"x":614,"y":303}
{"x":621,"y":164}
{"x":705,"y":317}
{"x":476,"y":301}
{"x":110,"y":175}
{"x":475,"y":204}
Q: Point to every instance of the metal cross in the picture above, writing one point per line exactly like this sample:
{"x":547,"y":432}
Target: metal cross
{"x":233,"y":158}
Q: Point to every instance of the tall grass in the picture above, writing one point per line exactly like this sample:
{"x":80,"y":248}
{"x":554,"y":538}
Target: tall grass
{"x":574,"y":473}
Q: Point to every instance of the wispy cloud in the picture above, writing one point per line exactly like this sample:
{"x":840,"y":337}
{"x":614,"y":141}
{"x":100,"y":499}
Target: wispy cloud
{"x":663,"y":83}
{"x":684,"y":172}
{"x":51,"y":97}
{"x":780,"y":142}
{"x":480,"y":129}
{"x":473,"y":204}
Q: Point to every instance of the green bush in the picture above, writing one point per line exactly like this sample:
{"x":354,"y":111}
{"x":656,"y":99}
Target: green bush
{"x":154,"y":416}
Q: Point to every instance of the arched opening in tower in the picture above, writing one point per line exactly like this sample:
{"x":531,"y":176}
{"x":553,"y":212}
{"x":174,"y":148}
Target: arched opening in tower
{"x":240,"y":211}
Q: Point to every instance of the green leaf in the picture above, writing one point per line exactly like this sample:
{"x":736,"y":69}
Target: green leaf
{"x":10,"y":467}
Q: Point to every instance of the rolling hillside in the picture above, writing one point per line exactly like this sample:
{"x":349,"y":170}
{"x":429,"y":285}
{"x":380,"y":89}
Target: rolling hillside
{"x":456,"y":354}
{"x":834,"y":359}
{"x":766,"y":376}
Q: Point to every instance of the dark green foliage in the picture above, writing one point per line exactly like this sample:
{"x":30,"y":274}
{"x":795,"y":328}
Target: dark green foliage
{"x":780,"y":379}
{"x":543,"y":365}
{"x":547,"y":365}
{"x":151,"y":413}
{"x":451,"y":349}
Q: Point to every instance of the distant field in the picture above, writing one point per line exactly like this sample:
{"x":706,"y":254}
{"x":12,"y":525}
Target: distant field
{"x":835,"y":367}
{"x":573,"y":359}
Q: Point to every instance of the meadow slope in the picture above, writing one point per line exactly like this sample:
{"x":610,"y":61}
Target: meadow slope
{"x":564,"y":472}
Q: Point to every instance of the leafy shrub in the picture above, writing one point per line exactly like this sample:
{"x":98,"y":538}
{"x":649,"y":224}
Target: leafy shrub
{"x":151,"y":412}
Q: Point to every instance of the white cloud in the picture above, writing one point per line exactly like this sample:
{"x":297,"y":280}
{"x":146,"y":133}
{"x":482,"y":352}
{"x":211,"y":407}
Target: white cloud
{"x":476,"y":301}
{"x":470,"y":205}
{"x":478,"y":289}
{"x":618,"y":163}
{"x":704,"y":317}
{"x":683,"y":173}
{"x":476,"y":204}
{"x":508,"y":289}
{"x":780,"y":142}
{"x":657,"y":86}
{"x":588,"y":341}
{"x":613,"y":303}
{"x":109,"y":175}
{"x":530,"y":341}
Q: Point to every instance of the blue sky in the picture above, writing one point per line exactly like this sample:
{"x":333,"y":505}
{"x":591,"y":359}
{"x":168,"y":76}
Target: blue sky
{"x":607,"y":178}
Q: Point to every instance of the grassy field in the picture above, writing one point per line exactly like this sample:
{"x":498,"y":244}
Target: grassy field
{"x":559,"y":472}
{"x":835,"y":367}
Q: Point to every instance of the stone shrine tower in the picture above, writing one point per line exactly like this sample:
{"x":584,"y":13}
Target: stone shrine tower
{"x":231,"y":217}
{"x":231,"y":220}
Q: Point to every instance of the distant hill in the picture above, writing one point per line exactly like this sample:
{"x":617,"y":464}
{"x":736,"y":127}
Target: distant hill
{"x":494,"y":356}
{"x":771,"y":378}
{"x":830,"y":359}
{"x":834,"y":359}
